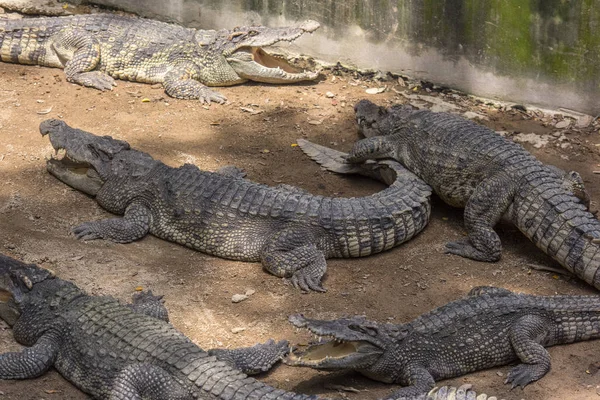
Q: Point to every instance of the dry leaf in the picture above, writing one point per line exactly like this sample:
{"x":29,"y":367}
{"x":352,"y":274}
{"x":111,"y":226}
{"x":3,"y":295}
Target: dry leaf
{"x":251,"y":110}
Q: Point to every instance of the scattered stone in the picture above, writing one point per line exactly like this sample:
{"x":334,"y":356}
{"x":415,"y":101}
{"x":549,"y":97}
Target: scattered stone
{"x":45,"y":111}
{"x":439,"y":105}
{"x":565,"y":123}
{"x":250,"y":292}
{"x":474,"y":115}
{"x":237,"y":298}
{"x":330,"y":95}
{"x":538,"y":141}
{"x":315,"y":122}
{"x":584,"y":121}
{"x":376,"y":90}
{"x":237,"y":330}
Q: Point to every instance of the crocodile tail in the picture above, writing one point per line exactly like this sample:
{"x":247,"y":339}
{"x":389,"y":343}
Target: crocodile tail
{"x":371,"y":224}
{"x":559,"y":224}
{"x":453,"y":393}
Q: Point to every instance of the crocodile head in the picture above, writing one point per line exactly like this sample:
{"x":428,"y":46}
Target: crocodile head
{"x":16,"y":282}
{"x":243,"y":50}
{"x":90,"y":160}
{"x":354,"y":344}
{"x":374,"y":120}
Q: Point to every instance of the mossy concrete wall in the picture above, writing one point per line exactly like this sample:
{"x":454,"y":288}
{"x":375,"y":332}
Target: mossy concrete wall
{"x":544,"y":52}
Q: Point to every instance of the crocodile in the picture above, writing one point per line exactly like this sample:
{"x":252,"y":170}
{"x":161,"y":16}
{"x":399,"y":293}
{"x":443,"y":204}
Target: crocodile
{"x":96,"y":49}
{"x":470,"y":166}
{"x":489,"y":327}
{"x":290,"y":231}
{"x":120,"y":352}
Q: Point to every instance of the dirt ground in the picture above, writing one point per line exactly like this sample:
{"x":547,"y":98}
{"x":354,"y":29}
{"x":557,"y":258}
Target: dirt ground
{"x":37,"y":213}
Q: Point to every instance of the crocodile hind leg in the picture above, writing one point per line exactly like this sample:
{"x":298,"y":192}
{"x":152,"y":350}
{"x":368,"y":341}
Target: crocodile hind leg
{"x":525,"y":337}
{"x":32,"y":361}
{"x":290,"y":254}
{"x":253,"y":360}
{"x":148,"y":304}
{"x":485,"y":207}
{"x":79,"y":52}
{"x":134,"y":225}
{"x":148,"y":382}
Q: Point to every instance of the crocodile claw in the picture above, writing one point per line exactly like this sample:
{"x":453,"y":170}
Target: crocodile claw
{"x":521,"y":375}
{"x":94,"y":79}
{"x":207,"y":95}
{"x":86,"y":231}
{"x":306,"y":282}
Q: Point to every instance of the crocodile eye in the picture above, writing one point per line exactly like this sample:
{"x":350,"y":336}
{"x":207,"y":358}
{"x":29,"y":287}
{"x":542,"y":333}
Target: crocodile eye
{"x":367,"y":330}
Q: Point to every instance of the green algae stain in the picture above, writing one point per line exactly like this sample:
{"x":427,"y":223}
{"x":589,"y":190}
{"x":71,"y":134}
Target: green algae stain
{"x":508,"y":34}
{"x":555,"y":38}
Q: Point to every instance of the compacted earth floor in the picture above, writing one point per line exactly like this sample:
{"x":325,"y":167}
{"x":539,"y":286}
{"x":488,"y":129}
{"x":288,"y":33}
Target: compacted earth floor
{"x":257,"y":131}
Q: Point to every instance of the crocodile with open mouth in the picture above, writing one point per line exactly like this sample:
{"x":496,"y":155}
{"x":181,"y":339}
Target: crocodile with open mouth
{"x":97,"y":48}
{"x":489,"y":327}
{"x":291,"y":232}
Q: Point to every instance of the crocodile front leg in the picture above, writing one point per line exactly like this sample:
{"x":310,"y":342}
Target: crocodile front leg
{"x":80,"y":54}
{"x":256,"y":359}
{"x":291,"y":254}
{"x":485,"y":207}
{"x":372,"y":148}
{"x":525,"y":337}
{"x":419,"y":382}
{"x":181,"y":82}
{"x":134,"y":225}
{"x":32,"y":361}
{"x":148,"y":382}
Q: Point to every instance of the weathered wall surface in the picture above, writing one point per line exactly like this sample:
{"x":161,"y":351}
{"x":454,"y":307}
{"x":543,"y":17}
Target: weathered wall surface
{"x":545,"y":52}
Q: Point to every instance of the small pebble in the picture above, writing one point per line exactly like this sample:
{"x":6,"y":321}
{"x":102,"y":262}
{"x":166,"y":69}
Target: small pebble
{"x":236,"y":298}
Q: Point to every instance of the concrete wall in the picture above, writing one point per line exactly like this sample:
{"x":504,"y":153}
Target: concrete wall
{"x":543,"y":52}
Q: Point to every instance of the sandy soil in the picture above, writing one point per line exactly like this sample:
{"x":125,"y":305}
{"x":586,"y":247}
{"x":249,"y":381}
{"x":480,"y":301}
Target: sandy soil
{"x":37,"y":213}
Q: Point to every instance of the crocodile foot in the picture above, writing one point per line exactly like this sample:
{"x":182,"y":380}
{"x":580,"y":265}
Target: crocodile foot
{"x":94,"y":79}
{"x":206,"y":95}
{"x":87,"y":231}
{"x":308,"y":278}
{"x":522,"y":375}
{"x":256,"y":359}
{"x":464,"y":248}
